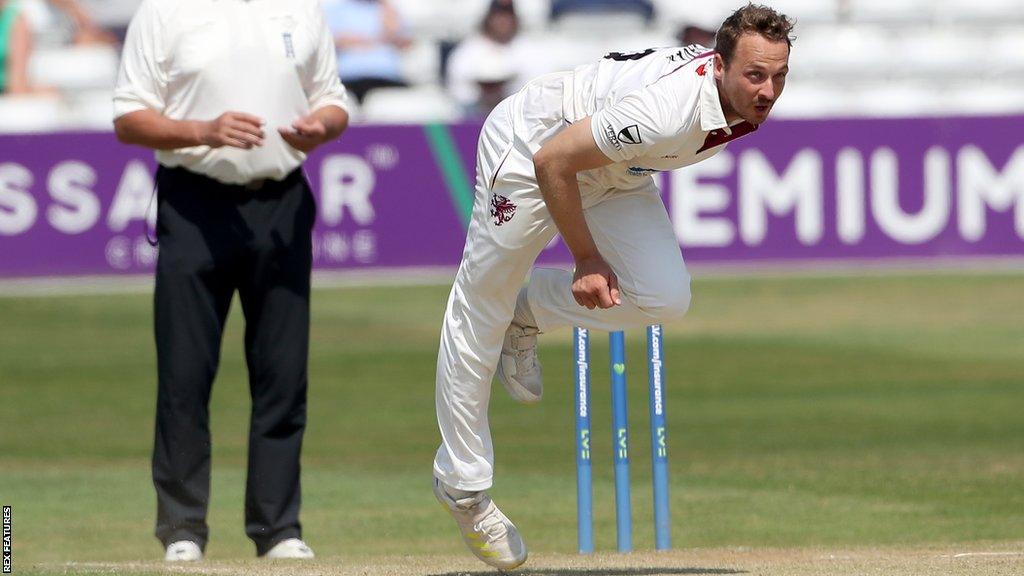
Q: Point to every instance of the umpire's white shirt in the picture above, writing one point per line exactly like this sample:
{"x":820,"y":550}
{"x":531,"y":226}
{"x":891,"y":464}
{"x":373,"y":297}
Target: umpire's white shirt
{"x":196,"y":59}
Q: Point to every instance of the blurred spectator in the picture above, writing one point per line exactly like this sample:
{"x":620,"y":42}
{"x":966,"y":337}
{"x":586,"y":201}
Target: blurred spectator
{"x":56,"y":22}
{"x":693,"y":34}
{"x":698,"y":26}
{"x":488,"y":65}
{"x":368,"y":35}
{"x":560,"y":8}
{"x":111,"y":15}
{"x":86,"y":29}
{"x":15,"y":47}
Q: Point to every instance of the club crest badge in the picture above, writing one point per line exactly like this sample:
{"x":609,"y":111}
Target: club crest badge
{"x":502,"y":209}
{"x":289,"y":45}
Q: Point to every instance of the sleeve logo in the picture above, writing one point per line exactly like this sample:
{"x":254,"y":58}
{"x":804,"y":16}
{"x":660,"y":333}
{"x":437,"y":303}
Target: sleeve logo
{"x":630,"y":135}
{"x":609,"y":134}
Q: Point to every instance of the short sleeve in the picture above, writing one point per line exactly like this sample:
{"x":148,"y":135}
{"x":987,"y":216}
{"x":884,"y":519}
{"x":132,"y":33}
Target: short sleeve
{"x":320,"y":81}
{"x":643,"y":123}
{"x":141,"y":79}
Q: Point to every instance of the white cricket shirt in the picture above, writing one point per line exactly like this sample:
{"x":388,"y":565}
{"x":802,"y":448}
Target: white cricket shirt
{"x":196,"y":59}
{"x":650,"y":111}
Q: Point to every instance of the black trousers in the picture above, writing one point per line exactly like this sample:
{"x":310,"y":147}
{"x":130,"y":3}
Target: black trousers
{"x":215,"y":239}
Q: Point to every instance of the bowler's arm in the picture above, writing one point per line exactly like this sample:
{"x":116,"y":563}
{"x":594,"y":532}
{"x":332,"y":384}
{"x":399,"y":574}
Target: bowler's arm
{"x":556,"y":164}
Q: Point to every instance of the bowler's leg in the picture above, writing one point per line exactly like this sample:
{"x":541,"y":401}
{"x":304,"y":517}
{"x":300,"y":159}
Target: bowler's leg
{"x":509,"y":228}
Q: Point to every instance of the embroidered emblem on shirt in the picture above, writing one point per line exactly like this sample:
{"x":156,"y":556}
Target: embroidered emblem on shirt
{"x":502,"y":209}
{"x":702,"y":69}
{"x":630,"y":134}
{"x":289,"y":46}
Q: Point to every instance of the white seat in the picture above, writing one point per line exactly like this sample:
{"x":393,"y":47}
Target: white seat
{"x":408,"y":106}
{"x":975,"y":11}
{"x":636,"y":42}
{"x":620,"y":24}
{"x":896,"y":100}
{"x":112,"y":13}
{"x":706,"y":14}
{"x":440,"y":18}
{"x":421,"y":62}
{"x":90,"y":110}
{"x":75,"y":67}
{"x":452,"y":20}
{"x":355,"y":111}
{"x":809,"y":11}
{"x":557,"y":52}
{"x":24,"y":114}
{"x":49,"y":26}
{"x":929,"y":52}
{"x":1005,"y":54}
{"x":993,"y":98}
{"x":533,"y":14}
{"x":546,"y":53}
{"x":842,"y":52}
{"x":814,"y":100}
{"x":892,"y":11}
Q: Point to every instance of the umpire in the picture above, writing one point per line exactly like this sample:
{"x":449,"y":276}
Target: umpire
{"x":231,"y":94}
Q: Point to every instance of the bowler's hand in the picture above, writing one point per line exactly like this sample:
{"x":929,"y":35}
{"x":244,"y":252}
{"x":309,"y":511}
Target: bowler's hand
{"x":305,"y":134}
{"x":236,"y":129}
{"x":594,"y":285}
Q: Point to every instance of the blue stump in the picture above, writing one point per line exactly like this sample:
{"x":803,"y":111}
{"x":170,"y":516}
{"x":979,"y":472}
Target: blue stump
{"x":584,"y":490}
{"x":620,"y":442}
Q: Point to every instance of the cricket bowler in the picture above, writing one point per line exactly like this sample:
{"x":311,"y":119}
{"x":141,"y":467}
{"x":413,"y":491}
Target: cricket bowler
{"x":573,"y":153}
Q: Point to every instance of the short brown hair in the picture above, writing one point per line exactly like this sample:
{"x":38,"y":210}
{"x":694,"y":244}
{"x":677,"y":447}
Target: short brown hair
{"x":752,"y":19}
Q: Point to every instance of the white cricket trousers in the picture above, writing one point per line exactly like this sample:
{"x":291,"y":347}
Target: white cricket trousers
{"x":634,"y":235}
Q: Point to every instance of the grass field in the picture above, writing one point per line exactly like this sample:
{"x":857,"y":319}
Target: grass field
{"x":878,"y":413}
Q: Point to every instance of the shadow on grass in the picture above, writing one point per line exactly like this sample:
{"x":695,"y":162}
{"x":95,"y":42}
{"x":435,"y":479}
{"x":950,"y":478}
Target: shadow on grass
{"x":603,"y":572}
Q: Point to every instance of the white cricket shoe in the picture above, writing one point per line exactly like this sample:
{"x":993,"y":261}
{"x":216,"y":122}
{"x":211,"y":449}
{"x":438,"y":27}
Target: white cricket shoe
{"x":488,"y":533}
{"x":290,"y":549}
{"x":519,"y":368}
{"x":183,"y":551}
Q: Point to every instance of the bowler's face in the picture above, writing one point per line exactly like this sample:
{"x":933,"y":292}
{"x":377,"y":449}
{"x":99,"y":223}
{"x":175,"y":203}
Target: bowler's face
{"x":754,"y":79}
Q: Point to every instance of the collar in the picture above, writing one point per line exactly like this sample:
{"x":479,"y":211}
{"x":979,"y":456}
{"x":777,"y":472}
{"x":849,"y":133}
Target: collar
{"x":711,"y":115}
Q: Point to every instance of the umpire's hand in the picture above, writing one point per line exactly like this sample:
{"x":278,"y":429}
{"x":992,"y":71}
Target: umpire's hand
{"x":236,"y":129}
{"x":305,"y":134}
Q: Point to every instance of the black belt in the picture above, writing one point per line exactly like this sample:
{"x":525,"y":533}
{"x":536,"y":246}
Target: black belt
{"x":255,"y":185}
